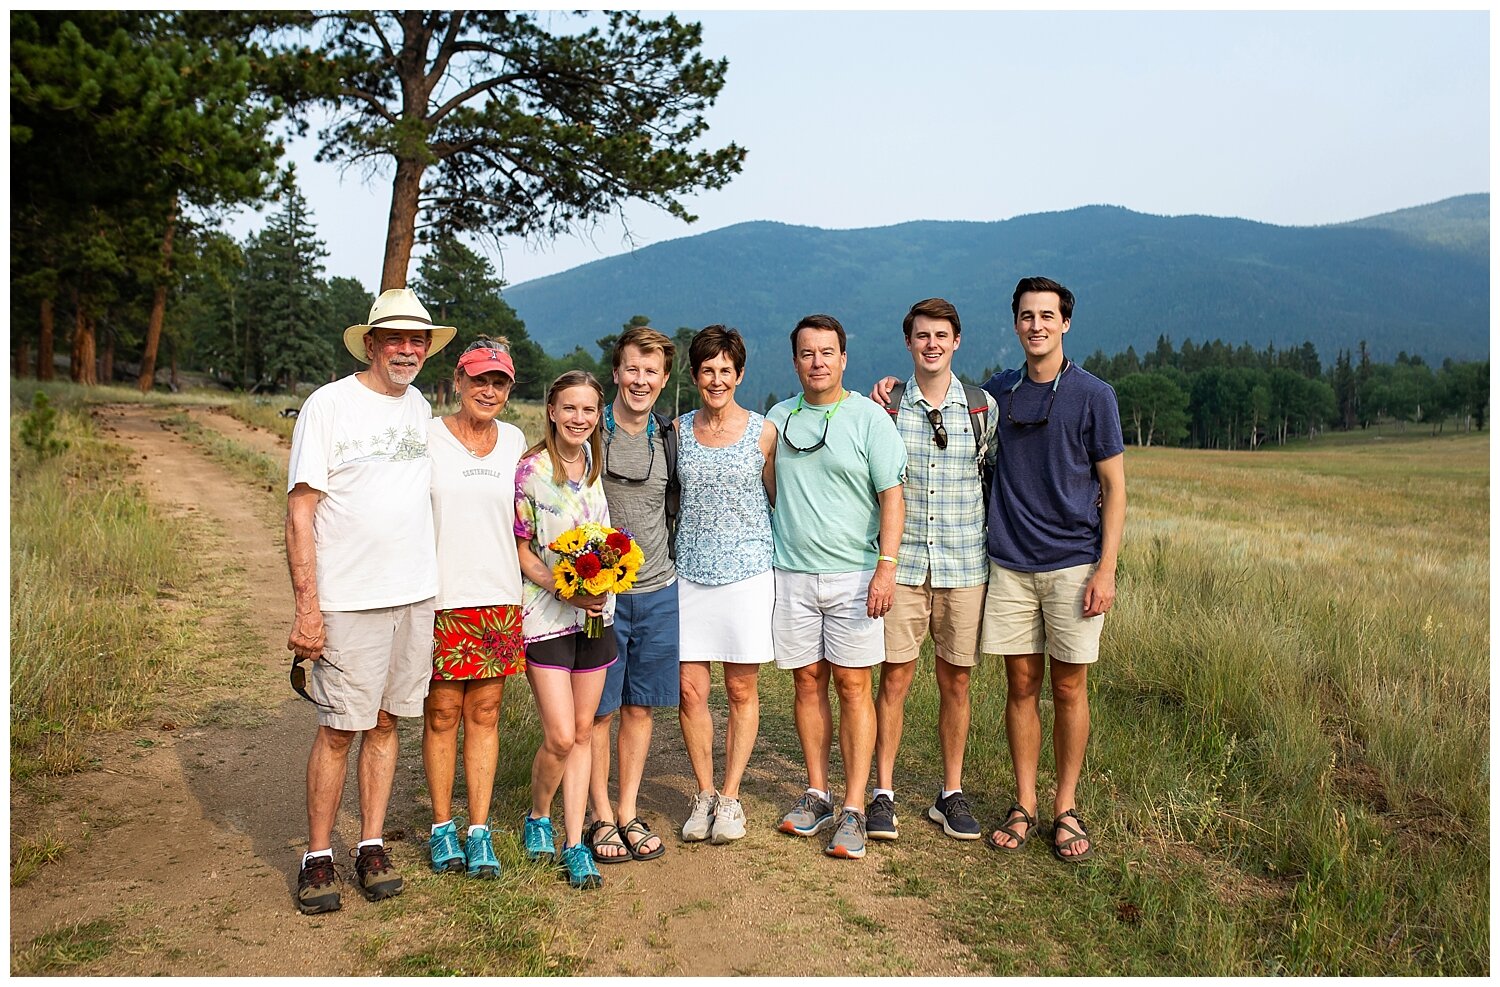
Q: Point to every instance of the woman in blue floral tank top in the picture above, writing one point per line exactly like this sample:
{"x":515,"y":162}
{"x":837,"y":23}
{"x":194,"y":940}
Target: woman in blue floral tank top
{"x":725,"y":586}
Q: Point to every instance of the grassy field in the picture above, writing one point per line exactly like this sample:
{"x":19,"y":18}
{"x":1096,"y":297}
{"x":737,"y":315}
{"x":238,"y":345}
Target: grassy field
{"x":1289,"y":766}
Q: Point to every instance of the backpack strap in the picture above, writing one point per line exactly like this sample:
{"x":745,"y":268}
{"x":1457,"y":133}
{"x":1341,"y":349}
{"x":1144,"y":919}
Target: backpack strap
{"x":979,"y":407}
{"x":667,"y":429}
{"x":893,"y":403}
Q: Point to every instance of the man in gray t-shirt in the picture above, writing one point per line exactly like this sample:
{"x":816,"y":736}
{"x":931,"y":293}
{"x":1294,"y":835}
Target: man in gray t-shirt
{"x":641,"y":485}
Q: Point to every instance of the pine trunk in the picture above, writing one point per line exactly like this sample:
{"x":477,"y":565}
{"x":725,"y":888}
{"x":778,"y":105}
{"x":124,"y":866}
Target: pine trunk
{"x":44,"y":346}
{"x":158,"y":305}
{"x":107,"y":361}
{"x":401,"y":232}
{"x":81,"y":368}
{"x":23,"y":357}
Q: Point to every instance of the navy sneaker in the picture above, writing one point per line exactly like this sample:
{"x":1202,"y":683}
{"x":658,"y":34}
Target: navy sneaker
{"x":880,"y":818}
{"x":952,"y":813}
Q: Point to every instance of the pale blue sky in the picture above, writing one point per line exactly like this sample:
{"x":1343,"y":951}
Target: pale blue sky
{"x":872,"y":118}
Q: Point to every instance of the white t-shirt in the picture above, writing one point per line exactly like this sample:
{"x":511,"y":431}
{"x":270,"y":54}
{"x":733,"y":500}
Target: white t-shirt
{"x":474,"y":512}
{"x":367,"y":453}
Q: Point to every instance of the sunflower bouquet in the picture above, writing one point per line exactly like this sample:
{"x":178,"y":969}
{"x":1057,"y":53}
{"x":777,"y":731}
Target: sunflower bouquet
{"x":595,"y":560}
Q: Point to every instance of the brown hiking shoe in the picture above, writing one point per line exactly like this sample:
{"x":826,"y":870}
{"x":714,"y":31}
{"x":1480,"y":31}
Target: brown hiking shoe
{"x":377,"y":877}
{"x":318,"y":887}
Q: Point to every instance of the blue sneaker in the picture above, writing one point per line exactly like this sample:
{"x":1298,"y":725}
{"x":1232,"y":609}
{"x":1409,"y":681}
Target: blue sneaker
{"x":536,"y":834}
{"x":481,"y":854}
{"x":444,"y":849}
{"x":579,"y":868}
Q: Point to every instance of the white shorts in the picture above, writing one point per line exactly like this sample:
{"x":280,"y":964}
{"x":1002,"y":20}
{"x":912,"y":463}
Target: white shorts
{"x":726,"y":623}
{"x":820,"y":616}
{"x":373,"y":660}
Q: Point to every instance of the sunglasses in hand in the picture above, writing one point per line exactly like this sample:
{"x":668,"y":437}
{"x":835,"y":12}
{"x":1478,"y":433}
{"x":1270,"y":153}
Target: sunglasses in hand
{"x":298,"y":678}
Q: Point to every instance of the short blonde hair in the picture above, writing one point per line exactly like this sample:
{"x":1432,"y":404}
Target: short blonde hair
{"x":647,"y":340}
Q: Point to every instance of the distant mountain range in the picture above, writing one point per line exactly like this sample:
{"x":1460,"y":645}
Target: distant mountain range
{"x":1414,"y":280}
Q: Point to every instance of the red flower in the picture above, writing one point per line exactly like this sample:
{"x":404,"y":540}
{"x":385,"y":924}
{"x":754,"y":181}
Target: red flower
{"x":619,"y":542}
{"x":587,"y":565}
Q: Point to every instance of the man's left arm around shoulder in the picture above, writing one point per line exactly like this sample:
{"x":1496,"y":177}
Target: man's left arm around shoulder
{"x":892,"y":521}
{"x":1099,"y":591}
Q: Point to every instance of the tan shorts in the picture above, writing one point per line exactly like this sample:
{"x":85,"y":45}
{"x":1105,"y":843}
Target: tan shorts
{"x":373,"y":660}
{"x":1032,"y":613}
{"x":951,"y":615}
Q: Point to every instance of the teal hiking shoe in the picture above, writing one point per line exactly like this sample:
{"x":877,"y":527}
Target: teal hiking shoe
{"x":579,"y":868}
{"x":443,"y":849}
{"x":537,"y":836}
{"x":481,"y":854}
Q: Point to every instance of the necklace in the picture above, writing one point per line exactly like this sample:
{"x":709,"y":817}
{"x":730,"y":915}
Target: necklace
{"x":717,"y":429}
{"x":570,"y":462}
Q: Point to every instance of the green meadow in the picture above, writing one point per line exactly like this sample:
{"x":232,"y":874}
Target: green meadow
{"x":1288,"y":772}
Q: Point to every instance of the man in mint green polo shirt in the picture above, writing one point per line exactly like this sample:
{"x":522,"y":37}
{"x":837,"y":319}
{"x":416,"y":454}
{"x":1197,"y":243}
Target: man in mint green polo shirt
{"x":839,"y":512}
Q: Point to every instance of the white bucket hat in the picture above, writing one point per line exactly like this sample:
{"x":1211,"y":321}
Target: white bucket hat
{"x":396,"y":308}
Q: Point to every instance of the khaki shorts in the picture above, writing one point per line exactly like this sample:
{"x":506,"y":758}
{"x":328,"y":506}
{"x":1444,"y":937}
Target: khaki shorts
{"x":951,"y":615}
{"x":374,"y":659}
{"x":1032,"y":613}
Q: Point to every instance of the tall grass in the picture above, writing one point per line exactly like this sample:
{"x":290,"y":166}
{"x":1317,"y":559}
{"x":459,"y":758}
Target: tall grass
{"x":1290,"y":717}
{"x":90,"y":562}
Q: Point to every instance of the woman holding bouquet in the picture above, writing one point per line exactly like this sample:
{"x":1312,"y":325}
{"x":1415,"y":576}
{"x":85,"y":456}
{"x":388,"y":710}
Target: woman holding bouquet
{"x":557,"y":489}
{"x":477,"y":631}
{"x":725,"y":586}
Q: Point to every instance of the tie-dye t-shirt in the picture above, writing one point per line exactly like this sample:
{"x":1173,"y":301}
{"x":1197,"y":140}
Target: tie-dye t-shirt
{"x":545,"y":510}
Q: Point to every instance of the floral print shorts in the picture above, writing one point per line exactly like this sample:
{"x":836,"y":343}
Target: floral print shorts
{"x":477,"y":643}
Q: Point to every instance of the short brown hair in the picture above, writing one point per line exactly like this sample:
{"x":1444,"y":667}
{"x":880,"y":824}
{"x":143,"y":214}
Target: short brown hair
{"x":820,"y":322}
{"x":647,"y":340}
{"x":1064,"y":296}
{"x":933,"y":308}
{"x":716,"y":339}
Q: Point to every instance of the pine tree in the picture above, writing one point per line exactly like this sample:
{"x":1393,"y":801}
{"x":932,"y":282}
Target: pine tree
{"x":286,"y":303}
{"x":460,"y":289}
{"x":497,"y":125}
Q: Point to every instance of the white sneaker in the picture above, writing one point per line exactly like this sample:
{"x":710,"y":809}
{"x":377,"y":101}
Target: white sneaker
{"x":700,"y":816}
{"x":729,"y":820}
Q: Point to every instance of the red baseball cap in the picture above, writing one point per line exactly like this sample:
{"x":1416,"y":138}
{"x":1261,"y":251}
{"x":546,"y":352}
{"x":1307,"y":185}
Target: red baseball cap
{"x":476,"y":362}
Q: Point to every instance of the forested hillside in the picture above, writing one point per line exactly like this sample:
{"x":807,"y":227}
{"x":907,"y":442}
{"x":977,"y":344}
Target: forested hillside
{"x":1414,"y":281}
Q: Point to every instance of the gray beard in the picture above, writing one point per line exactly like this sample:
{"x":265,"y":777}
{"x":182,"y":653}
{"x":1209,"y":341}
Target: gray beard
{"x":402,"y":375}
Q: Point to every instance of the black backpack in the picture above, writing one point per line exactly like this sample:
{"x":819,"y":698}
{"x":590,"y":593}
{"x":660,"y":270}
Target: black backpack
{"x":978,"y":405}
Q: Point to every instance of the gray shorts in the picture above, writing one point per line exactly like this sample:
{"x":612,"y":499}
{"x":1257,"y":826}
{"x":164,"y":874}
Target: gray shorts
{"x":373,"y":660}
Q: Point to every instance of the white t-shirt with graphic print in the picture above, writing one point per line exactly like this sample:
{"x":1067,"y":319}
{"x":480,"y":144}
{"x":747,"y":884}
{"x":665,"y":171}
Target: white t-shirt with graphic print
{"x":474,"y":510}
{"x":367,"y":453}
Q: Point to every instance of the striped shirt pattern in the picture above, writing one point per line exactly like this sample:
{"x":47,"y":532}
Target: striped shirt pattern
{"x":944,"y":533}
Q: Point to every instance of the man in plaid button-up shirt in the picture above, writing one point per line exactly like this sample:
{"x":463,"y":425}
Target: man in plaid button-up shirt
{"x":942,"y":567}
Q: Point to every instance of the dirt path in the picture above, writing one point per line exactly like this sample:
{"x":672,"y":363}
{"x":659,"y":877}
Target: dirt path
{"x":192,"y":835}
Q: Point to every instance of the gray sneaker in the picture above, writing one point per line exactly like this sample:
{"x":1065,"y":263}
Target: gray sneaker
{"x":729,"y":820}
{"x":849,"y":838}
{"x":700,"y":816}
{"x":808,"y":816}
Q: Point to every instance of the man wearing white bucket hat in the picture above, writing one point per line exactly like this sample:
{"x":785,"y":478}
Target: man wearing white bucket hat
{"x":360,"y":546}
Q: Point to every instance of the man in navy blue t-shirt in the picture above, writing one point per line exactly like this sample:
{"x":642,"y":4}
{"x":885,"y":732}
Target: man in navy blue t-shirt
{"x":1054,"y":519}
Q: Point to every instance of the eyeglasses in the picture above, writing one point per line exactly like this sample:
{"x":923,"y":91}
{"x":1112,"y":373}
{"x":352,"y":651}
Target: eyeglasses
{"x":298,"y":678}
{"x":650,"y":461}
{"x":827,"y":417}
{"x":939,"y":433}
{"x":1050,"y":401}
